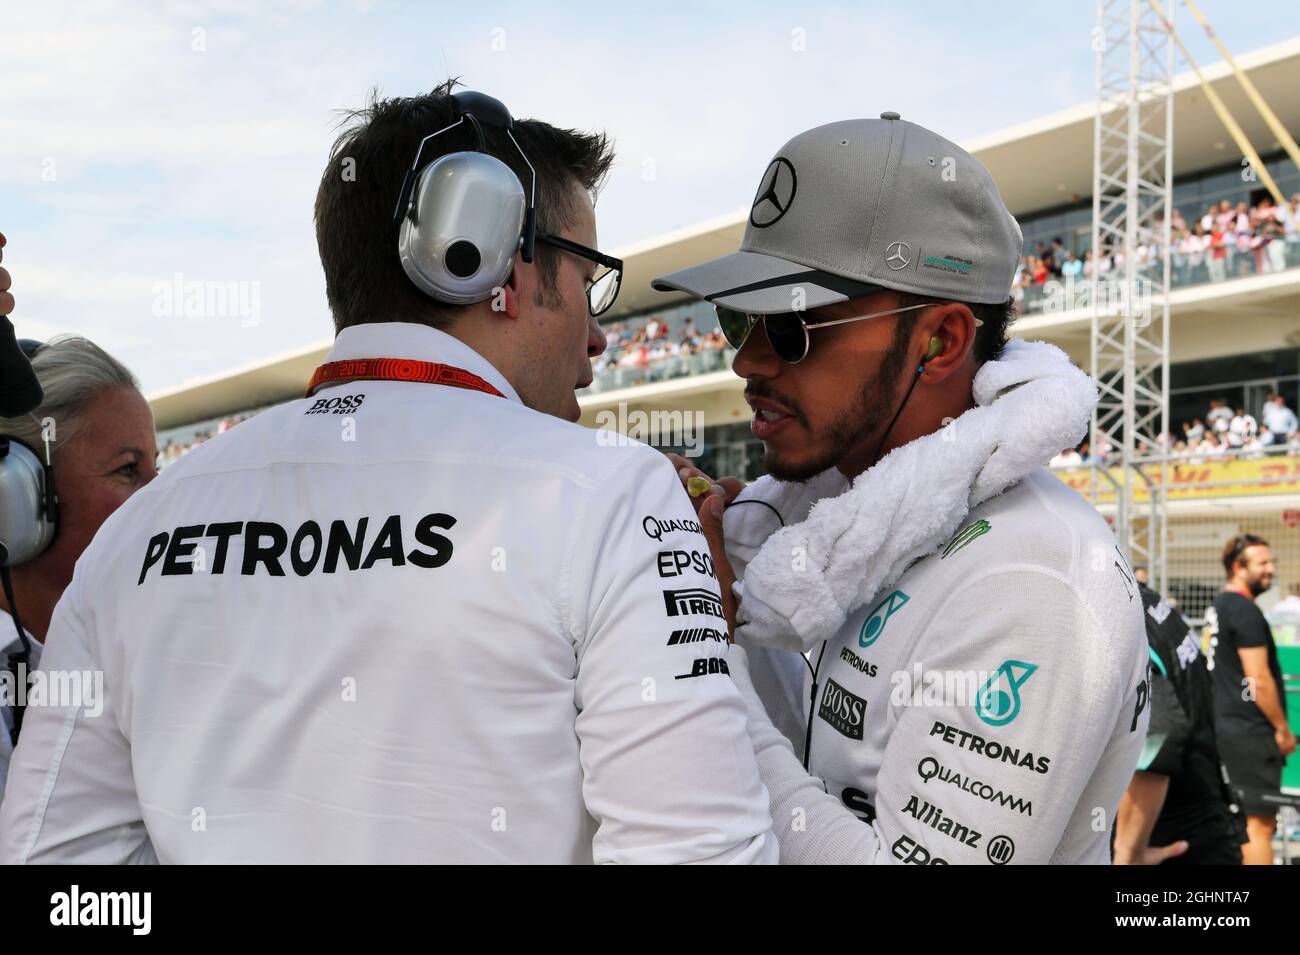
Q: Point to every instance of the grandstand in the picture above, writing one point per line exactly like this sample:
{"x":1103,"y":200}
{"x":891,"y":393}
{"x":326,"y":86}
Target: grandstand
{"x":1234,"y":334}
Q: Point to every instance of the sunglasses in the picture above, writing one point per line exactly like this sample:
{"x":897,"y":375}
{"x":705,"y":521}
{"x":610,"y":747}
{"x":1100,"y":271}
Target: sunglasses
{"x":787,"y":332}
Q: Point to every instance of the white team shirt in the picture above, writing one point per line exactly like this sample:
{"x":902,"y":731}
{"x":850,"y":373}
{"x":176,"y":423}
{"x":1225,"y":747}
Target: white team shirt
{"x":988,"y":708}
{"x":396,"y":622}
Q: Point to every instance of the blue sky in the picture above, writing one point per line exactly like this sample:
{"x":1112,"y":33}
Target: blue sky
{"x":144,"y":140}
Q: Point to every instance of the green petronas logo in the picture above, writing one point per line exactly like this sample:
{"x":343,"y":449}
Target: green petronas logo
{"x":965,"y":536}
{"x":874,"y":625}
{"x":998,"y":702}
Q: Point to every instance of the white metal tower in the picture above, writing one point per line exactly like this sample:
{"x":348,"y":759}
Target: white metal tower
{"x":1131,"y":208}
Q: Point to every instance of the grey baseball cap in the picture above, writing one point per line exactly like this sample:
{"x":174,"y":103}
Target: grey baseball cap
{"x":858,"y":206}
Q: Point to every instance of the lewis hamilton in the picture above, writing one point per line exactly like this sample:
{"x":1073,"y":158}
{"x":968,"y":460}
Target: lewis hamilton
{"x":942,"y":645}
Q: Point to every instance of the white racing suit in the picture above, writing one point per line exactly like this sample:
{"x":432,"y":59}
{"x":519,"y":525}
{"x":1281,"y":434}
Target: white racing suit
{"x":983,"y":681}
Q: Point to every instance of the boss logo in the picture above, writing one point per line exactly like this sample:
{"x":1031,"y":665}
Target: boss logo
{"x":344,"y":405}
{"x":843,"y":710}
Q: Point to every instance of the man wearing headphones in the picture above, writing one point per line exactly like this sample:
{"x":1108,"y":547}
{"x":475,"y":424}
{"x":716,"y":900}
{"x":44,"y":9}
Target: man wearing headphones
{"x":948,"y":638}
{"x":419,"y":615}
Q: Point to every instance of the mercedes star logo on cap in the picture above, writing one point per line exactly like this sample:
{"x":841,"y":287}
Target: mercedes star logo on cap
{"x":898,"y":255}
{"x":775,"y":193}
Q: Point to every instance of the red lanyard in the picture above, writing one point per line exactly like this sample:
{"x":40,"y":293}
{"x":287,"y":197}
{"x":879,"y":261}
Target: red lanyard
{"x":398,"y":369}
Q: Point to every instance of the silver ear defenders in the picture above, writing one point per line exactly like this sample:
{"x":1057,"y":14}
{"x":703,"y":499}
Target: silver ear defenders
{"x":29,"y":509}
{"x":465,"y":215}
{"x":28,"y":506}
{"x":28,"y":512}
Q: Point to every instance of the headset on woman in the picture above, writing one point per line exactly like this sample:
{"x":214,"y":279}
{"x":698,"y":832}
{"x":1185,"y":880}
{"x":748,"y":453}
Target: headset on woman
{"x":29,"y":507}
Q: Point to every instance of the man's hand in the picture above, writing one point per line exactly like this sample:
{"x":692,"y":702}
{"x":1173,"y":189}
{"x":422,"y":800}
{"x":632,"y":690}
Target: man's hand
{"x":727,"y":488}
{"x":1135,"y":820}
{"x":1151,"y":855}
{"x":6,"y":299}
{"x":708,"y":508}
{"x":1285,"y":738}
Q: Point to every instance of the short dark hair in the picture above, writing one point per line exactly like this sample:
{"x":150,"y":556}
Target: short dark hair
{"x":990,"y":338}
{"x":355,"y":232}
{"x":1233,"y":550}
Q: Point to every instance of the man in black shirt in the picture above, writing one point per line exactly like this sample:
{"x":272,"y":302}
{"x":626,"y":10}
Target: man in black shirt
{"x":1178,"y":809}
{"x":1249,"y":702}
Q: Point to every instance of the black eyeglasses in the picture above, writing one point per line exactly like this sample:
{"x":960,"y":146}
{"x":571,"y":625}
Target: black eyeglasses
{"x":787,"y":332}
{"x":602,"y":289}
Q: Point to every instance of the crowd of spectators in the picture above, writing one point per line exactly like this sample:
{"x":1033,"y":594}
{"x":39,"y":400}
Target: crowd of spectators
{"x":172,"y":449}
{"x":638,"y":348}
{"x":1222,"y":430}
{"x":1227,"y":241}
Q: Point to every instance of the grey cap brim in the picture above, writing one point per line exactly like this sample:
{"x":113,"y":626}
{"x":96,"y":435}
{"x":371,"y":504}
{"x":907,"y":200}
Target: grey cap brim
{"x":761,"y":284}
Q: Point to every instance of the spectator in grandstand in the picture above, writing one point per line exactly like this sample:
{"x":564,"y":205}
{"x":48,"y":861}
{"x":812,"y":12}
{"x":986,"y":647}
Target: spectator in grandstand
{"x":1068,"y":458}
{"x":614,"y":336}
{"x":1252,"y":448}
{"x":1058,"y":257}
{"x":1276,"y":247}
{"x":1250,"y":705}
{"x":1279,"y":421}
{"x":1288,"y":214}
{"x":101,"y":451}
{"x":689,"y":335}
{"x":1103,"y":453}
{"x":1219,"y":417}
{"x":1177,"y":810}
{"x":1242,"y":428}
{"x":1196,"y":245}
{"x":1210,"y":445}
{"x":1243,"y":234}
{"x":1219,"y":251}
{"x":1184,"y":256}
{"x":1044,"y":255}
